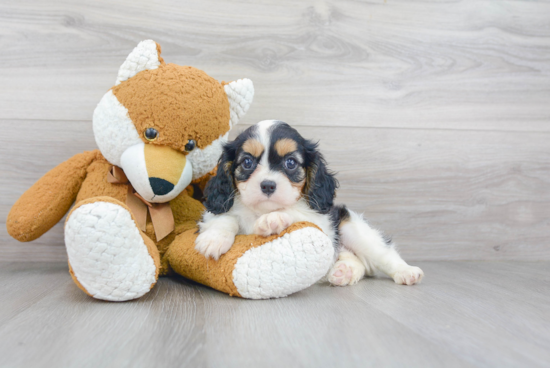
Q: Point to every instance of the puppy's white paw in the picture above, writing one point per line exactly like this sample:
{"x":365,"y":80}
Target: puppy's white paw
{"x":408,"y":275}
{"x":214,"y":243}
{"x":272,"y":223}
{"x":346,"y":272}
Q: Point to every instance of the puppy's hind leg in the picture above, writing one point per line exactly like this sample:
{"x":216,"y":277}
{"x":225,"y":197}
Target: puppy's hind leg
{"x":369,"y":246}
{"x":348,"y":270}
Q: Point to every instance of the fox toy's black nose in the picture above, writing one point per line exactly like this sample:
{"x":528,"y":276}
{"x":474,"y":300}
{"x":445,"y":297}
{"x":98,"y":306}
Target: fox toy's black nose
{"x":268,"y":187}
{"x":160,"y":186}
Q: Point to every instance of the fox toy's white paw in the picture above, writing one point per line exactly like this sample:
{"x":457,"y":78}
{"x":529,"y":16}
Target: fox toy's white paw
{"x":107,"y":252}
{"x":347,"y":271}
{"x":284,"y":265}
{"x":213,"y":243}
{"x":408,"y":275}
{"x":272,"y":223}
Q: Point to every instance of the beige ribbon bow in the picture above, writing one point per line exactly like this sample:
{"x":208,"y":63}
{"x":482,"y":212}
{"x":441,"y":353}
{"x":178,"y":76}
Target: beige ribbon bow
{"x":161,"y":213}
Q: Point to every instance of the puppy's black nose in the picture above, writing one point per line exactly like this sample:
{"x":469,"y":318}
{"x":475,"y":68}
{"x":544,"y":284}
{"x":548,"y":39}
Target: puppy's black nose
{"x":160,"y":186}
{"x":268,"y":187}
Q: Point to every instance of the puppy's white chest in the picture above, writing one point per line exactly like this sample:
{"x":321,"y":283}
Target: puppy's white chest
{"x":248,"y":219}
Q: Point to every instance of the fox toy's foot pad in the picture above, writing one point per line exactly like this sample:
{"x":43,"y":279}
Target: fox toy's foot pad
{"x":109,"y":257}
{"x":258,"y":267}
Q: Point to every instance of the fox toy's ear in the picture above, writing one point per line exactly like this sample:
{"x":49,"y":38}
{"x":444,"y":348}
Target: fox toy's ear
{"x":145,"y":56}
{"x":240,"y":94}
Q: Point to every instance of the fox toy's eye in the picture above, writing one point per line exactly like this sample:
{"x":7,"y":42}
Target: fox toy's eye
{"x":247,"y":163}
{"x":190,"y":146}
{"x":151,"y":134}
{"x":290,"y":163}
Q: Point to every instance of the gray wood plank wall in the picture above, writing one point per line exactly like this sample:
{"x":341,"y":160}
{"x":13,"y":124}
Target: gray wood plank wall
{"x":435,"y":114}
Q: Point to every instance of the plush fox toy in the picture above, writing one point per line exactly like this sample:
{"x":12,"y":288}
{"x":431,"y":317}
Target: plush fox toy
{"x":160,"y":129}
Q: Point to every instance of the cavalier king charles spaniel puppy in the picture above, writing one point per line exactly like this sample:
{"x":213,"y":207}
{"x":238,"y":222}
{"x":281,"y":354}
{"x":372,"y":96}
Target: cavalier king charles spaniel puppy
{"x":270,"y":177}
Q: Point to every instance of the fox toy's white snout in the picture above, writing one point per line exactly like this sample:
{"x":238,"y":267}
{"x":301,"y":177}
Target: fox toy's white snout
{"x":157,"y":173}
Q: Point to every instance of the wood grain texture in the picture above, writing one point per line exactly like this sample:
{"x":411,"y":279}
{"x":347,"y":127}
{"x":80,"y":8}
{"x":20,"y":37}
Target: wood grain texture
{"x":441,"y":194}
{"x":476,"y":64}
{"x":465,"y":314}
{"x":435,"y":114}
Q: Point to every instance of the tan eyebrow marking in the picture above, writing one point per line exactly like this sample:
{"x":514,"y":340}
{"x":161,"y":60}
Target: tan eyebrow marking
{"x":285,"y":146}
{"x":254,"y":147}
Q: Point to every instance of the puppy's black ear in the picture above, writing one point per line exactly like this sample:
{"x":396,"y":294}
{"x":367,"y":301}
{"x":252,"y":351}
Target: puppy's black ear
{"x":220,"y":190}
{"x":320,"y":188}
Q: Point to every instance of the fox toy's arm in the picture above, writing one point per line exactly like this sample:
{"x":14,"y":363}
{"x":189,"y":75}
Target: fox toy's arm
{"x":47,"y":201}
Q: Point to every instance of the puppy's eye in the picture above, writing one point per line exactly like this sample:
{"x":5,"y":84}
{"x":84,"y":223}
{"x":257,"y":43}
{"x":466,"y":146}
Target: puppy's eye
{"x":190,"y":146}
{"x":290,"y":163}
{"x":151,"y":134}
{"x":247,"y":163}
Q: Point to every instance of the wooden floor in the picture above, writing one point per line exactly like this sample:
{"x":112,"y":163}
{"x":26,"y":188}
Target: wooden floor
{"x":465,"y":314}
